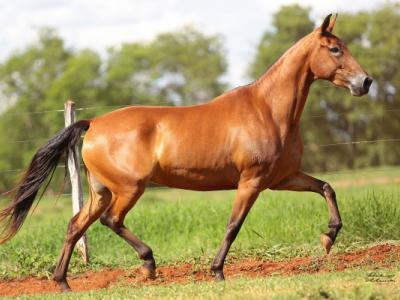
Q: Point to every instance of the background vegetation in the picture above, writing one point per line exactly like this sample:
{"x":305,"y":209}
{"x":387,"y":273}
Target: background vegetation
{"x":188,"y":67}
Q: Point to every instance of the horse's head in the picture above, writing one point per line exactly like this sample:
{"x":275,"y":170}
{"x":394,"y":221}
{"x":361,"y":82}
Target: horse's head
{"x":331,"y":60}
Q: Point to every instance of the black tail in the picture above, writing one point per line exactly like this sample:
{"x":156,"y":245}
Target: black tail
{"x":42,"y":166}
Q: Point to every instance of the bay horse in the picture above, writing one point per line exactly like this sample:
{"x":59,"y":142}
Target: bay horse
{"x":246,"y":139}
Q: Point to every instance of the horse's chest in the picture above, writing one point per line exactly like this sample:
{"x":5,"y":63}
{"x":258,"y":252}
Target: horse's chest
{"x":261,"y":151}
{"x":288,"y":161}
{"x":290,"y":157}
{"x":273,"y":150}
{"x":274,"y":158}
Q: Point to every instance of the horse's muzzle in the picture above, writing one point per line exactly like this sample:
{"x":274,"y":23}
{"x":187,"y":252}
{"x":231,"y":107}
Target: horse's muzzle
{"x":367,"y":83}
{"x":360,"y":84}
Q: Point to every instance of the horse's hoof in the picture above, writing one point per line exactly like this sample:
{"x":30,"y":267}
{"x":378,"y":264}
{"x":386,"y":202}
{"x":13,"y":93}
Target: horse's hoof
{"x":64,"y":286}
{"x":219,"y":276}
{"x":326,"y":242}
{"x":148,"y":273}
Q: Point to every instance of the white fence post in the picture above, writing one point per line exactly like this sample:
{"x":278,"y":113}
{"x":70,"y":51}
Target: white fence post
{"x":75,"y":176}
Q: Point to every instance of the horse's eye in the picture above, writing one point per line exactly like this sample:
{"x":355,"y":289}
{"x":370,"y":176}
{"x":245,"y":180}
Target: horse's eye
{"x":334,"y":49}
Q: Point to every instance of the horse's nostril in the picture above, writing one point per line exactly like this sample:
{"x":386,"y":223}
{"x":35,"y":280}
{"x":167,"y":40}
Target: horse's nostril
{"x":367,"y":83}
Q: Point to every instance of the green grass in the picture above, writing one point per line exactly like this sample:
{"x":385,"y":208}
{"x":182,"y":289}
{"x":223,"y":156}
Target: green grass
{"x":355,"y":284}
{"x":189,"y":226}
{"x":367,"y":173}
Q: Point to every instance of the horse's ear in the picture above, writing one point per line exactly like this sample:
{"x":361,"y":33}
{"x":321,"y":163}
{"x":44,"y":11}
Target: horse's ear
{"x":325,"y":25}
{"x":332,"y":23}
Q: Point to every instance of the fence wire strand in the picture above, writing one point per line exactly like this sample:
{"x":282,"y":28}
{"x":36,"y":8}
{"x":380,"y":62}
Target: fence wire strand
{"x":306,"y":146}
{"x":34,"y":140}
{"x":351,"y":143}
{"x":133,"y":104}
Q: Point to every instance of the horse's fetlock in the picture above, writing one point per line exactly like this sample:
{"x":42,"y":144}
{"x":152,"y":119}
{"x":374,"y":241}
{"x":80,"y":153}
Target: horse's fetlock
{"x":215,"y":268}
{"x":57,"y":277}
{"x":149,"y":264}
{"x":146,"y":254}
{"x":336,"y":225}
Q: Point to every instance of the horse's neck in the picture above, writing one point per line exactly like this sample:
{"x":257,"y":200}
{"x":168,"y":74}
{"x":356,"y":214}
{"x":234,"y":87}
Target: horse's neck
{"x":284,"y":87}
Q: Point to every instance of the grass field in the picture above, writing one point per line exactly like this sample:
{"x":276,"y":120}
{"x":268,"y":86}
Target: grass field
{"x":189,"y":226}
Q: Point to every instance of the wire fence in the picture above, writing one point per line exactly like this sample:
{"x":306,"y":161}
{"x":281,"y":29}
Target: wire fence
{"x":312,"y":145}
{"x":62,"y":110}
{"x":352,"y":143}
{"x":306,"y":146}
{"x":29,"y":140}
{"x":364,"y":114}
{"x":127,"y":105}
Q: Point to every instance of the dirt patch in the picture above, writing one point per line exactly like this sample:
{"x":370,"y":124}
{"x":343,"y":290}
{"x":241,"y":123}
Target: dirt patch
{"x":377,"y":256}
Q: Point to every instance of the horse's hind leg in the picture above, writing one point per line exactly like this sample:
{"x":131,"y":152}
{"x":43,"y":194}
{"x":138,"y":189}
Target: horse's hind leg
{"x":114,"y":217}
{"x":99,"y":200}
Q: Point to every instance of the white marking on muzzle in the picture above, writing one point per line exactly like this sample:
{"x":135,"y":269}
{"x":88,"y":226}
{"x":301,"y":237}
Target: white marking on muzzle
{"x":356,"y":86}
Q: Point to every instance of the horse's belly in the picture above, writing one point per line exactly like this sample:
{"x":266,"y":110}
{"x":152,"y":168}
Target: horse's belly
{"x":197,"y":179}
{"x":195,"y":161}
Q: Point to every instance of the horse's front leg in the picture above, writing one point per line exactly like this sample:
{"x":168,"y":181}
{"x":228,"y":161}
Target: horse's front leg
{"x":304,"y":182}
{"x":246,"y":195}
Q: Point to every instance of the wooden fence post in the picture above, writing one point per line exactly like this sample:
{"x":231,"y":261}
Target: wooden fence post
{"x":75,"y":176}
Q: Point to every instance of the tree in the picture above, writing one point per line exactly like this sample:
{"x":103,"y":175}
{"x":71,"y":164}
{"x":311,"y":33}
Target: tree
{"x":26,"y":77}
{"x":191,"y":65}
{"x":183,"y":67}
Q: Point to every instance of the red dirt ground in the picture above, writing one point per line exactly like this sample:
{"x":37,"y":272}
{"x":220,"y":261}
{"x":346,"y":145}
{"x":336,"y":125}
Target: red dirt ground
{"x":377,"y":256}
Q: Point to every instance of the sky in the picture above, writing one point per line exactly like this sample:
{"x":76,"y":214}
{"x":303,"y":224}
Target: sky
{"x":100,"y":24}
